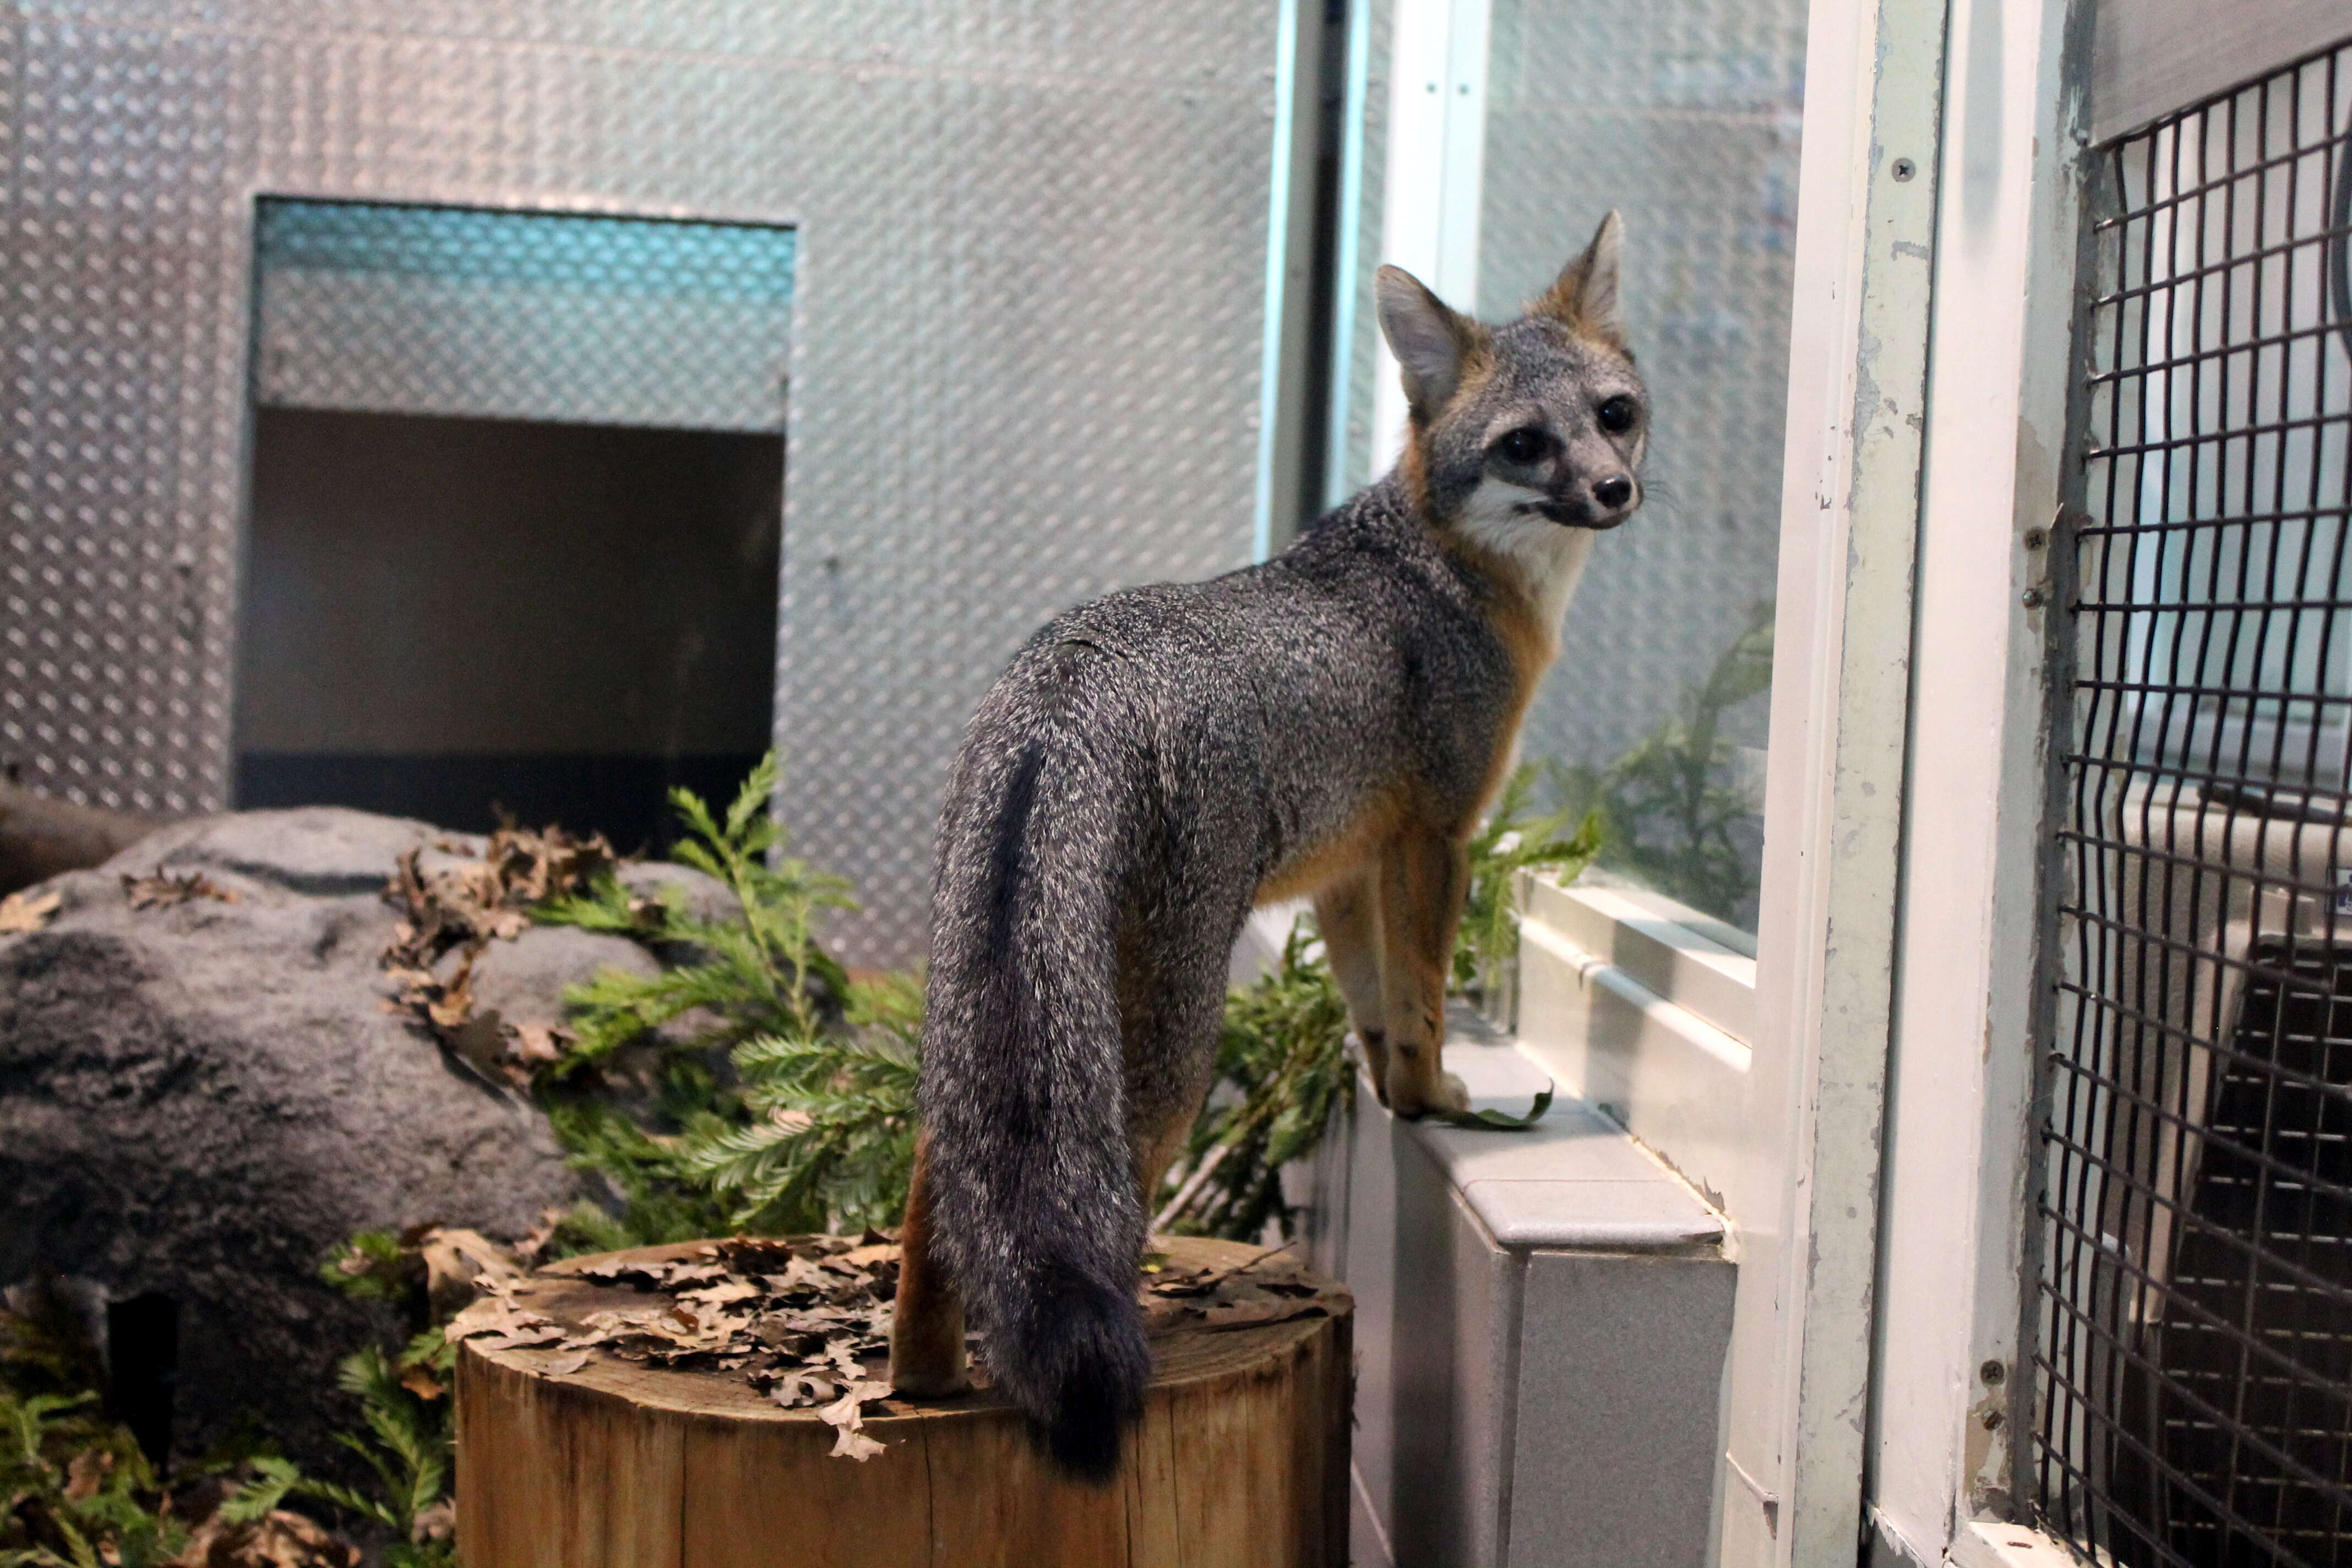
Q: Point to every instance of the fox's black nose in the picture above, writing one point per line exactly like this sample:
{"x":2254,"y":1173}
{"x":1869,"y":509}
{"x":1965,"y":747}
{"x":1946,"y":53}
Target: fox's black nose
{"x":1614,"y":493}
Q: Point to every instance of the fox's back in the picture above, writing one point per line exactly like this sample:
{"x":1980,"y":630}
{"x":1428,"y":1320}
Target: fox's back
{"x":1287,"y":704}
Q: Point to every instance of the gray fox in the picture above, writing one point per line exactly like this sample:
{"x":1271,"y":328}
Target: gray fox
{"x":1330,"y":723}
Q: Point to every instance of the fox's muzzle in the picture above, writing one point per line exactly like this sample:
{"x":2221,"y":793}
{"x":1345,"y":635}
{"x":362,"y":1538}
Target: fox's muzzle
{"x":1582,"y":513}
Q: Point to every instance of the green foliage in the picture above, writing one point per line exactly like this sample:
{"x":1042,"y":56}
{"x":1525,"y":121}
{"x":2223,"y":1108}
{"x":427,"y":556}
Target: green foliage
{"x":1665,"y":810}
{"x":660,"y":1202}
{"x":374,"y":1267}
{"x":829,"y":1143}
{"x":817,"y":1129}
{"x":75,"y":1491}
{"x":1511,"y":841}
{"x":409,"y":1442}
{"x":760,"y":975}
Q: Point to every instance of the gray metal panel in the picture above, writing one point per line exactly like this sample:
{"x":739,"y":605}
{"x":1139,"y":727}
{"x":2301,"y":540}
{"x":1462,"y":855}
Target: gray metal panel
{"x":379,"y":307}
{"x":1620,"y":1368}
{"x":2150,"y":57}
{"x":1025,"y":364}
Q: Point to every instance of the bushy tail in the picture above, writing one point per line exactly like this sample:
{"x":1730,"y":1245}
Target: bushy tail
{"x":1036,"y":1212}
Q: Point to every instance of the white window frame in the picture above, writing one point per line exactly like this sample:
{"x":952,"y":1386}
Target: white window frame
{"x":1760,"y":1079}
{"x":1959,"y":1127}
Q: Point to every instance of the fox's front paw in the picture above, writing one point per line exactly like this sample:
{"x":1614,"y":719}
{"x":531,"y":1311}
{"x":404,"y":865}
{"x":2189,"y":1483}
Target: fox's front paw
{"x":1412,"y":1103}
{"x":929,"y":1378}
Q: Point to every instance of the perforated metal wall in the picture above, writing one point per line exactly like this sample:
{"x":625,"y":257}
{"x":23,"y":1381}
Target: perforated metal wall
{"x":1027,"y":322}
{"x":378,"y":308}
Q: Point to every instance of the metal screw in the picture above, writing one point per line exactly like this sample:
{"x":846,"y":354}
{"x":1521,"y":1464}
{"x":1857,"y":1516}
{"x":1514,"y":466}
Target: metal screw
{"x":1905,"y":168}
{"x":1992,"y":1372}
{"x":2031,"y":598}
{"x":1992,"y":1420}
{"x":2035,"y":537}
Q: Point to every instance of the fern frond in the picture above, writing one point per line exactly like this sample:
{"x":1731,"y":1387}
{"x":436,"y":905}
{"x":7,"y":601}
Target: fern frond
{"x":258,"y":1498}
{"x":350,"y":1499}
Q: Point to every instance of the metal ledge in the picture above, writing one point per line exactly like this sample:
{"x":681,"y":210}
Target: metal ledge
{"x":1575,"y":1181}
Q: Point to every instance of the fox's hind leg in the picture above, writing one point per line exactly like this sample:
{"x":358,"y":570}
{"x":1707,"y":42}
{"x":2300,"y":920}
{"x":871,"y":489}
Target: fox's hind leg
{"x":926,"y":1325}
{"x":1422,"y":878}
{"x":1171,"y":1005}
{"x":1348,"y":913}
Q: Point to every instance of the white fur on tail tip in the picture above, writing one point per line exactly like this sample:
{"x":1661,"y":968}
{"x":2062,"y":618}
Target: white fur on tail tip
{"x":1550,"y":556}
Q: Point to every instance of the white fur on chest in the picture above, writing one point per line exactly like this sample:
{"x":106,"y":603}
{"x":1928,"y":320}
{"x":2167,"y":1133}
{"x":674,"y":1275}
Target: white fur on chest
{"x":1548,"y":556}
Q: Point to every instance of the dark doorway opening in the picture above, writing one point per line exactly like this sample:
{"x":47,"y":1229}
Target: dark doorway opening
{"x":142,"y":1361}
{"x":452,"y":618}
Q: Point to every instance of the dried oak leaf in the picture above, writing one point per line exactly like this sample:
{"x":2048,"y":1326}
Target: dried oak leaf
{"x":28,"y":911}
{"x":282,"y":1540}
{"x":846,"y":1415}
{"x":86,"y":1473}
{"x":721,"y":1293}
{"x":458,"y":1261}
{"x":1249,"y":1308}
{"x":438,"y":1522}
{"x":461,"y":909}
{"x":500,"y":1323}
{"x":797,"y":1387}
{"x":536,"y":1045}
{"x":161,"y":889}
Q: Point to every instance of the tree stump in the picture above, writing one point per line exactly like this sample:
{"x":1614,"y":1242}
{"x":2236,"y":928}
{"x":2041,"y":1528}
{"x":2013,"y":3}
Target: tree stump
{"x":1241,"y":1457}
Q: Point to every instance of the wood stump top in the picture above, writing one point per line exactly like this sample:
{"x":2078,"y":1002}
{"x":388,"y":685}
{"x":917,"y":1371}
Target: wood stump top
{"x":1185,"y":1350}
{"x":566,"y":1461}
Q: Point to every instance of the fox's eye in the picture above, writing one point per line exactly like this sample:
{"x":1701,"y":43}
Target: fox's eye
{"x":1524,"y":445}
{"x":1617,"y":416}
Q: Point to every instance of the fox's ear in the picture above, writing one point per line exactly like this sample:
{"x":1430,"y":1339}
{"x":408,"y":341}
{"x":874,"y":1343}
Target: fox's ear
{"x":1429,"y":340}
{"x":1585,"y":295}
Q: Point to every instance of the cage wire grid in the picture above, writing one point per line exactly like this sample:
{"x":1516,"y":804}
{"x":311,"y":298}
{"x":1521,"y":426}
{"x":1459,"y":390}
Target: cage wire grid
{"x":2193,"y":1321}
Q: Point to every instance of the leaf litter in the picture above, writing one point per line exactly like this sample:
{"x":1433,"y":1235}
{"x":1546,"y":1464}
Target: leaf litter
{"x":469,"y":896}
{"x":161,"y":889}
{"x":29,"y":912}
{"x":805,"y":1320}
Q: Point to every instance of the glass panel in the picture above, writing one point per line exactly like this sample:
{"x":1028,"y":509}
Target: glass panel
{"x":1682,"y":114}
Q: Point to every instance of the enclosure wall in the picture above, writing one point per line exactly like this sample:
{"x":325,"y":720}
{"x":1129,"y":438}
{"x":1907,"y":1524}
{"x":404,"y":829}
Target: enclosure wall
{"x":1029,"y":307}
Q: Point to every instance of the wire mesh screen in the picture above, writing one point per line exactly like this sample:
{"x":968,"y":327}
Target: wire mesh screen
{"x":2195,"y":1311}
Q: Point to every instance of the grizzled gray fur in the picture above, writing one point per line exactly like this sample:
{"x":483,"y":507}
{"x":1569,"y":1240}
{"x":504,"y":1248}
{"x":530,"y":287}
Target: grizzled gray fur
{"x":1152,"y":764}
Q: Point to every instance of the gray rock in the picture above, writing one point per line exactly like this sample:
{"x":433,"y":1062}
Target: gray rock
{"x":206,"y":1099}
{"x":326,"y":850}
{"x":522,"y":981}
{"x":699,"y":895}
